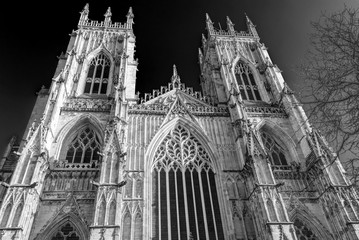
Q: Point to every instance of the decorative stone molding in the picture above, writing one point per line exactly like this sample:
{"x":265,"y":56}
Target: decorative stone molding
{"x":87,"y":105}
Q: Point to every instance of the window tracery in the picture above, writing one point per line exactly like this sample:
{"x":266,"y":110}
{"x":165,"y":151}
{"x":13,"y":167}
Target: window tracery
{"x":84,"y":147}
{"x":246,"y":82}
{"x":274,"y":150}
{"x":98,"y":75}
{"x":67,"y":232}
{"x":303,"y":233}
{"x":184,"y":190}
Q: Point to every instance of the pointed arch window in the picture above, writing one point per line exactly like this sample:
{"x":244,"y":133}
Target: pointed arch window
{"x":98,"y":75}
{"x":84,"y":147}
{"x":184,"y":194}
{"x":246,"y":82}
{"x":274,"y":150}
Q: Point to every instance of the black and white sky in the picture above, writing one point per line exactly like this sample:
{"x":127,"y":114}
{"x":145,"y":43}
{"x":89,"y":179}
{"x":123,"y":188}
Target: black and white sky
{"x":168,"y":32}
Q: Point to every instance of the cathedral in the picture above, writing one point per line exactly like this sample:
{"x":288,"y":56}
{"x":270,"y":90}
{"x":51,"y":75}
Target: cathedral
{"x":237,"y":161}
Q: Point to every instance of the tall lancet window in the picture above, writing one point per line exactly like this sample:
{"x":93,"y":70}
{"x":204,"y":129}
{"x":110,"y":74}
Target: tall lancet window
{"x":274,"y":150}
{"x":84,"y":147}
{"x":184,"y":194}
{"x":246,"y":82}
{"x":98,"y":75}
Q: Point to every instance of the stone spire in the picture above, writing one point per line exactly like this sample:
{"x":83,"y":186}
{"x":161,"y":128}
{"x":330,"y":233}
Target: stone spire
{"x":175,"y":79}
{"x":130,"y":17}
{"x":108,"y":15}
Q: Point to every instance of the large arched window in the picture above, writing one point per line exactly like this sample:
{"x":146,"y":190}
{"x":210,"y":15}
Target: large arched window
{"x":274,"y":150}
{"x":246,"y":82}
{"x":84,"y":147}
{"x":98,"y":75}
{"x":184,"y":194}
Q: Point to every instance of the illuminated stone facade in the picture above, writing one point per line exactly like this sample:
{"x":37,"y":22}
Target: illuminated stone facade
{"x":237,"y":161}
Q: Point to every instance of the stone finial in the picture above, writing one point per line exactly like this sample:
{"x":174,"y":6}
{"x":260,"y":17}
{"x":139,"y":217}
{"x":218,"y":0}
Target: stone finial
{"x":86,"y":9}
{"x":208,"y":19}
{"x":130,"y":13}
{"x":175,"y":78}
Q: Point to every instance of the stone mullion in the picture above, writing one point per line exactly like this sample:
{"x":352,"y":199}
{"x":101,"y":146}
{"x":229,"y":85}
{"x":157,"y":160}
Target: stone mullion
{"x":204,"y":212}
{"x":177,"y":209}
{"x":183,"y":171}
{"x":194,"y":202}
{"x":212,"y":208}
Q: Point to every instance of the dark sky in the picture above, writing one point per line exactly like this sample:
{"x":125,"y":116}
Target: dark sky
{"x":167,"y":32}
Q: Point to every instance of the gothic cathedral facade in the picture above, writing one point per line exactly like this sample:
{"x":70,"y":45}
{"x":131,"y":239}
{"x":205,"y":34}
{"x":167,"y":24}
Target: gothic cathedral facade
{"x":238,"y":161}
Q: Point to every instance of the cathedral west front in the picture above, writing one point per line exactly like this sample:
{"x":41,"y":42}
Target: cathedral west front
{"x":237,"y":161}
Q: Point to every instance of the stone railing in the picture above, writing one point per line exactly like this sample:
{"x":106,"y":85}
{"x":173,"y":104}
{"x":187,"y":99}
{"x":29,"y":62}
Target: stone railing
{"x":265,"y":111}
{"x":228,"y":33}
{"x":87,"y":105}
{"x":64,"y":165}
{"x":102,"y":24}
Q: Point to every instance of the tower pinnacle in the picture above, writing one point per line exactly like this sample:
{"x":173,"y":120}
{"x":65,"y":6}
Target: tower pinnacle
{"x":108,"y":15}
{"x":130,"y":17}
{"x":84,"y":14}
{"x":209,"y":23}
{"x":230,"y":25}
{"x":251,"y":27}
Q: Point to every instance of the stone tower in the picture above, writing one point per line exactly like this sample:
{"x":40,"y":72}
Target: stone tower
{"x":237,"y":161}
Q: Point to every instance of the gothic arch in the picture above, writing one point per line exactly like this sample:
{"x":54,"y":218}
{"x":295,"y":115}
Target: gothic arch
{"x":303,"y":214}
{"x":74,"y":220}
{"x":86,"y":65}
{"x":195,"y":130}
{"x":217,"y":192}
{"x":282,"y":136}
{"x":67,"y":132}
